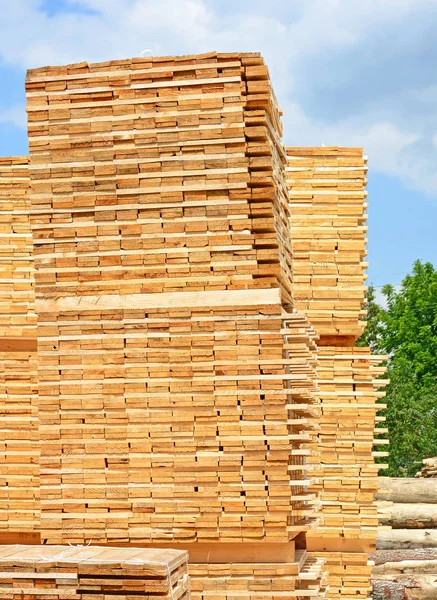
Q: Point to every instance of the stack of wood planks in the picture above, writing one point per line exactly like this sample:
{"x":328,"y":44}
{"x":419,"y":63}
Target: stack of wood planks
{"x":157,"y":175}
{"x":74,"y":573}
{"x":345,"y":466}
{"x":327,"y":202}
{"x":429,"y":468}
{"x":199,"y":291}
{"x":17,"y":315}
{"x":19,"y":470}
{"x":178,"y":421}
{"x":300,"y":578}
{"x":177,"y":386}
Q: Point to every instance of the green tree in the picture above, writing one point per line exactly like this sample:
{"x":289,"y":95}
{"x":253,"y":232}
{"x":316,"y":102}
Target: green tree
{"x":374,"y":323}
{"x":406,"y":331}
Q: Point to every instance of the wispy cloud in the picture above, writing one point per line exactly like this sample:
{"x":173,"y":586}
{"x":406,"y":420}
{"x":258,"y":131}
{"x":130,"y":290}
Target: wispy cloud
{"x":346,"y":72}
{"x":15,"y":115}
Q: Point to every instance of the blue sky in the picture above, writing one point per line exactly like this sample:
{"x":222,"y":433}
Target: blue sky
{"x":345,"y":73}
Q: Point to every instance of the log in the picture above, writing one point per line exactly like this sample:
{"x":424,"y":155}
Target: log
{"x":407,"y":490}
{"x":412,"y":516}
{"x":403,"y":567}
{"x":382,"y":556}
{"x":395,"y":587}
{"x":387,"y":590}
{"x":406,"y":538}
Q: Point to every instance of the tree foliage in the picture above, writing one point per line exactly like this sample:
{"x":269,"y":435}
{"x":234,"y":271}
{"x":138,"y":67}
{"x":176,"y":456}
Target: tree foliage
{"x":372,"y":333}
{"x":406,"y":331}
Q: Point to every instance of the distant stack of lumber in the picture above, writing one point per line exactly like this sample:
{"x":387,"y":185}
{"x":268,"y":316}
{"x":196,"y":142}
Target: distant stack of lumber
{"x":17,"y":315}
{"x":345,"y":467}
{"x":71,"y":573}
{"x":429,"y":468}
{"x":348,"y":574}
{"x":176,"y":385}
{"x":254,"y":580}
{"x":406,"y":559}
{"x":19,"y":470}
{"x":327,"y":205}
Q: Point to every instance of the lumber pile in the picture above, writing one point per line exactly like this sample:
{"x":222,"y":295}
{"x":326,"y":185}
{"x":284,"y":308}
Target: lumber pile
{"x":19,"y":470}
{"x":198,"y":294}
{"x":157,"y":175}
{"x":345,"y":467}
{"x":349,"y":574}
{"x":17,"y":315}
{"x":66,"y":573}
{"x":249,"y":580}
{"x":327,"y":205}
{"x":429,"y":468}
{"x":179,"y":422}
{"x":176,"y":384}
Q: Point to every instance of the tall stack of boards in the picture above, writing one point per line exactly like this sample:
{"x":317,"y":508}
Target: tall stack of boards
{"x":19,"y":452}
{"x":327,"y":205}
{"x":198,"y":290}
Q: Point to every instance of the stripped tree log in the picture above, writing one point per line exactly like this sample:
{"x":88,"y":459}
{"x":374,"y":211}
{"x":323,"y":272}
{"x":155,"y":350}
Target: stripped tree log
{"x":407,"y":490}
{"x":406,"y":538}
{"x":405,"y":587}
{"x":412,"y":516}
{"x":406,"y":567}
{"x":420,"y":554}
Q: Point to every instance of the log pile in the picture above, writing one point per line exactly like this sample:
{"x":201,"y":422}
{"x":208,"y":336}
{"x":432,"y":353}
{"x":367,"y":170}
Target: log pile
{"x":413,"y":519}
{"x":176,"y":385}
{"x":68,"y":573}
{"x":406,"y":559}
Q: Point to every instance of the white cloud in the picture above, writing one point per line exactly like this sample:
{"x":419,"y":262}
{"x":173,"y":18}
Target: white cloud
{"x":15,"y":115}
{"x":346,"y":72}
